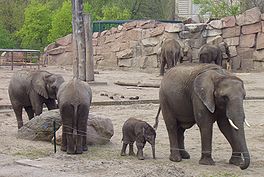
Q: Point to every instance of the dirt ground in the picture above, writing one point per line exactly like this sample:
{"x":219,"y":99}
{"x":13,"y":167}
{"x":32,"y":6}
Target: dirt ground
{"x":19,"y":157}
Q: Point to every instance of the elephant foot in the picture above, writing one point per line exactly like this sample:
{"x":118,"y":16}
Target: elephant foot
{"x":236,"y":159}
{"x":185,"y":154}
{"x":79,"y":150}
{"x":85,"y":148}
{"x":132,"y":153}
{"x":140,"y":155}
{"x":63,"y":148}
{"x":175,"y":156}
{"x":70,"y":152}
{"x":206,"y":160}
{"x":123,"y":154}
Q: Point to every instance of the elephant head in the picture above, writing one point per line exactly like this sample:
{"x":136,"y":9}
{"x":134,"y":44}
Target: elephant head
{"x":149,"y":134}
{"x":225,"y":93}
{"x":46,"y":84}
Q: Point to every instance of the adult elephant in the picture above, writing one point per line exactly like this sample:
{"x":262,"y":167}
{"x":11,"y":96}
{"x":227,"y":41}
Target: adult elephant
{"x":74,"y":100}
{"x":210,"y":53}
{"x":203,"y":94}
{"x":30,"y":90}
{"x":171,"y":53}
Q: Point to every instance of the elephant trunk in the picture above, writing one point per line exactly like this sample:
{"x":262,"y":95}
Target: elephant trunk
{"x":153,"y":151}
{"x":238,"y":118}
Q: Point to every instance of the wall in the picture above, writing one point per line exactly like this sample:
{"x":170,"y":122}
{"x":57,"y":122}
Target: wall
{"x":137,"y":44}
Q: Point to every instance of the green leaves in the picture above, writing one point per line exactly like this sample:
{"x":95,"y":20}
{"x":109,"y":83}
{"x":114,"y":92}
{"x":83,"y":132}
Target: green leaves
{"x":115,"y":13}
{"x":6,"y":40}
{"x":218,"y":9}
{"x":35,"y":29}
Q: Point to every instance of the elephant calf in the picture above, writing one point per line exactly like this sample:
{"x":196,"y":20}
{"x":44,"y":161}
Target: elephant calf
{"x":171,"y":53}
{"x":139,"y":131}
{"x":74,"y":99}
{"x":30,"y":90}
{"x":210,"y":53}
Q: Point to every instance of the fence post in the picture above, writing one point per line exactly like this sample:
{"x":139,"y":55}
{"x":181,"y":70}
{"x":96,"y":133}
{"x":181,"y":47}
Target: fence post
{"x":79,"y":60}
{"x":89,"y":47}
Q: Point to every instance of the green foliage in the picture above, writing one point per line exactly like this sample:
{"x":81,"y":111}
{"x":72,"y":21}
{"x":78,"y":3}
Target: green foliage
{"x":218,"y":9}
{"x":6,"y":40}
{"x":115,"y":13}
{"x":36,"y":26}
{"x":61,"y":22}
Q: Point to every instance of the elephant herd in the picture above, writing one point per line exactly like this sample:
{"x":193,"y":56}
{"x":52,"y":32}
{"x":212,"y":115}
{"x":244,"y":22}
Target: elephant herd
{"x":172,"y":52}
{"x":189,"y":93}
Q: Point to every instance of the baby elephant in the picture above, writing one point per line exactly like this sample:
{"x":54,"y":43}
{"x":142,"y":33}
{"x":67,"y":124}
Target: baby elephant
{"x":141,"y":132}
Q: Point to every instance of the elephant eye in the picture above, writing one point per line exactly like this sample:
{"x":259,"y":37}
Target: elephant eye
{"x":53,"y":87}
{"x":225,"y":98}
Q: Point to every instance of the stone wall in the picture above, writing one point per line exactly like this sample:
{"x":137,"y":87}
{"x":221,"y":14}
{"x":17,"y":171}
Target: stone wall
{"x":137,"y":44}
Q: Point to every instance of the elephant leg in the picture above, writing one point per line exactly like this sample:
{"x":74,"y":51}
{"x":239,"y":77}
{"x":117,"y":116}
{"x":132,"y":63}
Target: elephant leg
{"x":206,"y":131}
{"x":70,"y":143}
{"x":183,"y":152}
{"x":140,"y":147}
{"x":123,"y":151}
{"x":171,"y":125}
{"x":30,"y":112}
{"x":79,"y":144}
{"x":131,"y":149}
{"x":18,"y":113}
{"x":226,"y":129}
{"x":38,"y":109}
{"x":64,"y":139}
{"x":51,"y":104}
{"x":162,"y":66}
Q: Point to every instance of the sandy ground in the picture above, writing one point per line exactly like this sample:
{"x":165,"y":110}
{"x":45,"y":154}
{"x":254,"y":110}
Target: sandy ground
{"x":25,"y":158}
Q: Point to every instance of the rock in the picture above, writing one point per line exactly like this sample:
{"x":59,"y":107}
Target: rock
{"x":235,"y":63}
{"x":184,"y":34}
{"x":250,"y":29}
{"x":247,"y":40}
{"x":231,"y":32}
{"x":94,"y":42}
{"x":109,"y":39}
{"x":197,"y":43}
{"x":259,"y":55}
{"x":229,"y":21}
{"x":194,"y":28}
{"x":249,"y":17}
{"x":153,"y":41}
{"x":50,"y":47}
{"x":258,"y":65}
{"x":148,"y":61}
{"x":64,"y":41}
{"x":157,"y":31}
{"x":96,"y":34}
{"x":125,"y":62}
{"x":133,"y":35}
{"x":99,"y":130}
{"x":65,"y":58}
{"x":217,"y":24}
{"x":233,"y":51}
{"x":127,"y":53}
{"x":148,"y":24}
{"x":232,"y":41}
{"x":120,"y":27}
{"x":211,"y":33}
{"x":245,"y":53}
{"x":130,"y":25}
{"x":262,"y":25}
{"x":214,"y":40}
{"x":173,"y":27}
{"x":260,"y":41}
{"x":40,"y":128}
{"x":247,"y":64}
{"x":262,"y":16}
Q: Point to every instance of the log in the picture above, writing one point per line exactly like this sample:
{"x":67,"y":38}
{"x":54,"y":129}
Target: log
{"x":127,"y":83}
{"x":137,"y":84}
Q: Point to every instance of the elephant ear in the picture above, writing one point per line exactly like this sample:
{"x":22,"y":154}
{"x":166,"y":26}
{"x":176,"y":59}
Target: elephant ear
{"x":204,"y":89}
{"x":39,"y":84}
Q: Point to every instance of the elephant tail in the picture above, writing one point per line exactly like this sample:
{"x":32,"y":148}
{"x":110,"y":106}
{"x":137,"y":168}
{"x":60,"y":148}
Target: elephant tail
{"x":155,"y":126}
{"x":75,"y":119}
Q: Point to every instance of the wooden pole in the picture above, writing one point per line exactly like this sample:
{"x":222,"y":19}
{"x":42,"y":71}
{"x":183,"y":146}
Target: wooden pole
{"x":79,"y":61}
{"x":89,"y":47}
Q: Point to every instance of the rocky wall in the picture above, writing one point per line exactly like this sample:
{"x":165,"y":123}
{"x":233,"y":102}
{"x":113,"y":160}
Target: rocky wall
{"x":137,"y":44}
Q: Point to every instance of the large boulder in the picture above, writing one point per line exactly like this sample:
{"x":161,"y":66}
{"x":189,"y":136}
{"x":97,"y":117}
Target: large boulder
{"x":99,"y":128}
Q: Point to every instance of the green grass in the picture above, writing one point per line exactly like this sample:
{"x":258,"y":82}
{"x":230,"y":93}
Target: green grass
{"x":34,"y":154}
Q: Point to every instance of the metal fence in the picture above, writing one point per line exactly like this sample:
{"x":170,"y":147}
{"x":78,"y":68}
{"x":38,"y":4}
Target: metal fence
{"x":99,"y":26}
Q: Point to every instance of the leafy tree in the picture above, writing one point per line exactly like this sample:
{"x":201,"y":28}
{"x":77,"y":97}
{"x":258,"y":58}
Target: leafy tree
{"x":61,"y":22}
{"x":36,"y":26}
{"x":218,"y":9}
{"x":5,"y":39}
{"x":115,"y":13}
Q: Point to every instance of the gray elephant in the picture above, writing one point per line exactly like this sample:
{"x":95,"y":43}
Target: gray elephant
{"x":30,"y":90}
{"x":171,"y":53}
{"x":74,"y":100}
{"x":202,"y":94}
{"x":210,"y":53}
{"x":139,"y":131}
